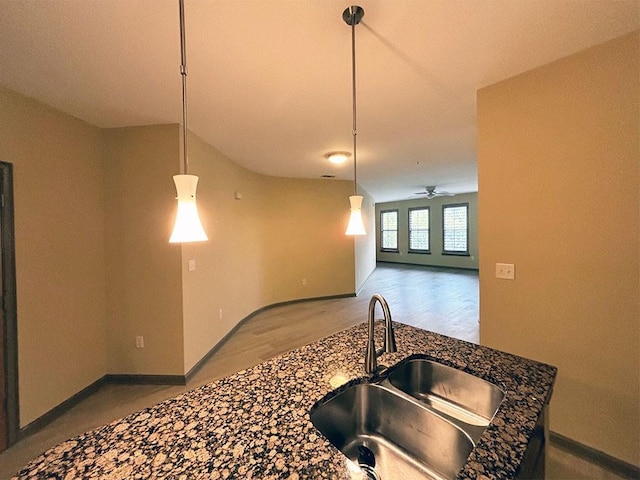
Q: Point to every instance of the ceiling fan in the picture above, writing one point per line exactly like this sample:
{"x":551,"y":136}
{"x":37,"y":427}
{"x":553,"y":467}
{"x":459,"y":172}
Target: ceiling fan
{"x":431,"y":192}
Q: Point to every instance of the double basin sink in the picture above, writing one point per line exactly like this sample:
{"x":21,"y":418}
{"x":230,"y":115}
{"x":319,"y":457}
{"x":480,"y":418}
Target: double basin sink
{"x":421,"y":421}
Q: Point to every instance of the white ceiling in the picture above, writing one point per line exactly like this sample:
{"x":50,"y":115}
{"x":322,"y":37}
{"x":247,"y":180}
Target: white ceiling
{"x":270,"y":80}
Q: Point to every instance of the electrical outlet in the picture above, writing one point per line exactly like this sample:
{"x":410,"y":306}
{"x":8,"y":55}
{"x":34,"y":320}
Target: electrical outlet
{"x":304,"y":281}
{"x":192,"y":265}
{"x":140,"y":341}
{"x":506,"y":271}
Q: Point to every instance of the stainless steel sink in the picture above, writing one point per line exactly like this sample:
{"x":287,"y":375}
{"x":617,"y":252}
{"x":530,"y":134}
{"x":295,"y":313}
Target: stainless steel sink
{"x":391,"y":436}
{"x":455,"y":393}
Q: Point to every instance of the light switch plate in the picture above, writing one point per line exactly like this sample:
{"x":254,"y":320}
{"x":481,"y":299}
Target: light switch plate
{"x":506,"y":271}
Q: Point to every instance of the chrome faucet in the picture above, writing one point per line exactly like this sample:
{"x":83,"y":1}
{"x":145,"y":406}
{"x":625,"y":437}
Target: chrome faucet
{"x":370,"y":357}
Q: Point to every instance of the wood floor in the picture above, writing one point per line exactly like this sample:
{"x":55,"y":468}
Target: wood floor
{"x":441,"y":300}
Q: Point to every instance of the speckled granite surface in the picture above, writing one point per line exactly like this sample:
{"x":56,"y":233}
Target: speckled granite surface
{"x":255,"y":423}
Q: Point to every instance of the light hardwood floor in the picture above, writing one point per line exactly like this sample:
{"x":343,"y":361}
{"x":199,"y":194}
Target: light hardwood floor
{"x":441,"y":300}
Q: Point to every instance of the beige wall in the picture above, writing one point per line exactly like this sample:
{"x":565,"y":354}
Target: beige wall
{"x":94,"y":210}
{"x":558,"y":158}
{"x":305,"y":239}
{"x":144,"y":283}
{"x":60,"y":251}
{"x":260,"y":247}
{"x":435,"y":258}
{"x":228,"y":276}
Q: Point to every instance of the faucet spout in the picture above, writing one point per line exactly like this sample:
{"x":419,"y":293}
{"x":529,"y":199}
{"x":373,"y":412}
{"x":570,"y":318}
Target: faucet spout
{"x":371,"y":354}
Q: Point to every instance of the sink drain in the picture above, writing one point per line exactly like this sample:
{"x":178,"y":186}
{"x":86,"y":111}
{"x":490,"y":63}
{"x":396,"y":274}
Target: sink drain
{"x":366,"y":461}
{"x":369,"y":472}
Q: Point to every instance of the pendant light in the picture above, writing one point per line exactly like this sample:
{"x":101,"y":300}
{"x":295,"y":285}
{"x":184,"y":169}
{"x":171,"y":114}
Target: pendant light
{"x":188,"y":227}
{"x":352,"y":16}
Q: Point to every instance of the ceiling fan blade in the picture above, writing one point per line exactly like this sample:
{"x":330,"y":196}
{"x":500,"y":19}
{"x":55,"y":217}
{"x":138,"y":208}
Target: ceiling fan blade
{"x":432,"y":192}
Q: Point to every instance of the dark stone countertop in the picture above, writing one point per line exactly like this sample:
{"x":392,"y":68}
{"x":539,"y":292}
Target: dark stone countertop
{"x":255,"y":423}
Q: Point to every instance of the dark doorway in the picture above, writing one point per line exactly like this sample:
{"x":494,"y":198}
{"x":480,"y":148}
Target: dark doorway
{"x":9,"y":412}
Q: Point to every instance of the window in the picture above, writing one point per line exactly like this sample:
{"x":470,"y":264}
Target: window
{"x":389,"y":230}
{"x":419,"y":230}
{"x":455,"y":220}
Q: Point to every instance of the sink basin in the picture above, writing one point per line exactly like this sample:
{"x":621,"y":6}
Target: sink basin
{"x":455,"y":393}
{"x":390,"y":436}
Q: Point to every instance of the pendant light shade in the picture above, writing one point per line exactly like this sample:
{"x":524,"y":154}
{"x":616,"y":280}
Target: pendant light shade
{"x":356,"y":226}
{"x":352,"y":16}
{"x":188,"y":227}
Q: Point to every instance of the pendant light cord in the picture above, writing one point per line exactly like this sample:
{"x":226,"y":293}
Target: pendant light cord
{"x":353,"y":81}
{"x":183,"y":73}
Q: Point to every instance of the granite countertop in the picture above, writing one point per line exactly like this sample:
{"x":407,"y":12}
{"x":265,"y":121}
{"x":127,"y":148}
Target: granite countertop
{"x":255,"y":423}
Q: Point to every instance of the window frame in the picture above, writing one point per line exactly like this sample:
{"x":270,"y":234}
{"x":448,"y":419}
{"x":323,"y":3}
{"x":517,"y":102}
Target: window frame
{"x":460,"y":253}
{"x":397,"y":230}
{"x":419,"y":251}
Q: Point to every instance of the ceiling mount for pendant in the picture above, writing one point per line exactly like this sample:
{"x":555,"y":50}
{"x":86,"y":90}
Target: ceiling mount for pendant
{"x":352,"y":15}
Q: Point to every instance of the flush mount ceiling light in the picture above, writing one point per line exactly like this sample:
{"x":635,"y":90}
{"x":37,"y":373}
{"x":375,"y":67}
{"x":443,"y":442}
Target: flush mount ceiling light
{"x":352,"y":16}
{"x":338,"y":157}
{"x":188,"y":227}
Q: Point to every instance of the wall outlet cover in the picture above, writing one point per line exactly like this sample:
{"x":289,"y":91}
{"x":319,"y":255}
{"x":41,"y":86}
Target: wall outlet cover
{"x":506,"y":271}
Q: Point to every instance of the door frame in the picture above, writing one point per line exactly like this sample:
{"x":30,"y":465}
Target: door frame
{"x":9,"y":296}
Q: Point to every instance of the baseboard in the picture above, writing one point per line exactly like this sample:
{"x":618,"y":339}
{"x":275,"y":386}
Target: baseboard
{"x":224,"y":339}
{"x":619,"y":467}
{"x":57,"y":411}
{"x":357,"y":294}
{"x":44,"y":420}
{"x":439,"y":267}
{"x":132,"y":379}
{"x":301,"y":300}
{"x":219,"y":345}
